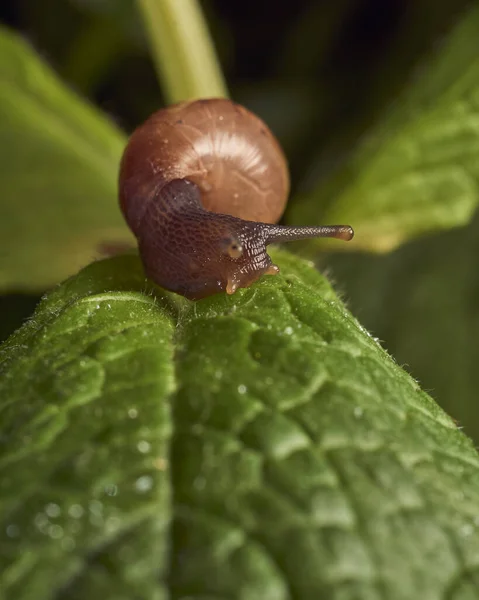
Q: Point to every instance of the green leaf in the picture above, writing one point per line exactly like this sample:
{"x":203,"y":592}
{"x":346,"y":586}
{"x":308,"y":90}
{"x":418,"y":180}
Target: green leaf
{"x":260,"y":446}
{"x":58,"y":167}
{"x":418,"y":170}
{"x":423,"y":301}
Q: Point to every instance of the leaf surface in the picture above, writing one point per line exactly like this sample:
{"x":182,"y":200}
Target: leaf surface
{"x":422,"y":301}
{"x":260,"y":446}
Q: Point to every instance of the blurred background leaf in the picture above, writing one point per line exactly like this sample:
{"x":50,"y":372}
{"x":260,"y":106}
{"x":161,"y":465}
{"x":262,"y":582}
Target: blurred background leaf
{"x":58,"y":163}
{"x":418,"y":169}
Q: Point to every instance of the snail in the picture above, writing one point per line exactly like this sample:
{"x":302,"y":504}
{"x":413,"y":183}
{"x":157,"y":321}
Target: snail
{"x":202,"y":186}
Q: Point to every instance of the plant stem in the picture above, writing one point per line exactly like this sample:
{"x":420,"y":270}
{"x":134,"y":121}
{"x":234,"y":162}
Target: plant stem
{"x":182,"y":49}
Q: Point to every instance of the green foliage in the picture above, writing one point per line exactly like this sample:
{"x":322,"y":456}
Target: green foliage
{"x":261,"y":446}
{"x":58,"y":169}
{"x":258,"y":446}
{"x":75,"y":477}
{"x":418,"y":170}
{"x":423,"y":300}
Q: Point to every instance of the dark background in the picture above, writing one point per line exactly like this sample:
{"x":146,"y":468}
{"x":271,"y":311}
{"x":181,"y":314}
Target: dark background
{"x":334,"y":60}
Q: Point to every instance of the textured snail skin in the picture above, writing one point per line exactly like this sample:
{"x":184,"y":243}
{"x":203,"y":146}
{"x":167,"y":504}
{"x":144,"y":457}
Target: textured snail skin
{"x":192,"y":245}
{"x":201,"y":185}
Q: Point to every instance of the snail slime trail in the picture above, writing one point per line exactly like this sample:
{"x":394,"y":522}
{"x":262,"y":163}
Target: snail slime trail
{"x":202,"y":186}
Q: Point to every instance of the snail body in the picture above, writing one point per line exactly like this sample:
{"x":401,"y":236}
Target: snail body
{"x":202,"y":185}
